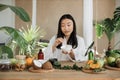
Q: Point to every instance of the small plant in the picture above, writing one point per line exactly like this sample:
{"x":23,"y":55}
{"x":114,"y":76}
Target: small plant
{"x":32,"y":35}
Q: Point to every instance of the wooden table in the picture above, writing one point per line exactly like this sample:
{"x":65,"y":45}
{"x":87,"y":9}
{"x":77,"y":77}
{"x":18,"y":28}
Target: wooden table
{"x":60,"y":75}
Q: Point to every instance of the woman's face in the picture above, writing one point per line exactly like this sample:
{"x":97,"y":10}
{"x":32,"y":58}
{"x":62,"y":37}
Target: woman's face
{"x":67,"y":27}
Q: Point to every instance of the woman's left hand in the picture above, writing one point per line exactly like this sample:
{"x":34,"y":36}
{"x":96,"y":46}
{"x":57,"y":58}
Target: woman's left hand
{"x":65,"y":52}
{"x":70,"y":53}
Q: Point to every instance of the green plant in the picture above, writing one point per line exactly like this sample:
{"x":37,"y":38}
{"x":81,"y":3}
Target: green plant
{"x":32,"y":34}
{"x":14,"y":33}
{"x":26,"y":40}
{"x":6,"y":49}
{"x":16,"y":37}
{"x":109,"y":26}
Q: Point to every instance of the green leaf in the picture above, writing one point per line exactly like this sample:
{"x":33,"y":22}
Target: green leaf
{"x":109,"y":28}
{"x":3,"y":7}
{"x":117,"y":13}
{"x":21,"y":13}
{"x":99,"y":30}
{"x":16,"y":35}
{"x":117,"y":26}
{"x":6,"y":49}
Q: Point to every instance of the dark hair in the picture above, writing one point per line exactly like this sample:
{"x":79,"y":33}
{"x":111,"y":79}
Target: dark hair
{"x":72,"y":39}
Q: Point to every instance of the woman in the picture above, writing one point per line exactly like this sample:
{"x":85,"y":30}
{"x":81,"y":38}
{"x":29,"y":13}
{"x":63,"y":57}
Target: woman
{"x":66,"y":36}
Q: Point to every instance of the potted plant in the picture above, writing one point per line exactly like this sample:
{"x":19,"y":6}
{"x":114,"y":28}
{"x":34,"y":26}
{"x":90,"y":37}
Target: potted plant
{"x":16,"y":37}
{"x":25,"y":40}
{"x":15,"y":34}
{"x":32,"y":35}
{"x":109,"y":26}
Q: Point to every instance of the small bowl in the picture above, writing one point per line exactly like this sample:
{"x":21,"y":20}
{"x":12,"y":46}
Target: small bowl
{"x":66,"y":48}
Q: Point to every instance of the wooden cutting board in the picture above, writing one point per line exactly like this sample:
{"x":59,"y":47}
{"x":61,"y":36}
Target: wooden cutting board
{"x":31,"y":69}
{"x":91,"y":71}
{"x":112,"y":68}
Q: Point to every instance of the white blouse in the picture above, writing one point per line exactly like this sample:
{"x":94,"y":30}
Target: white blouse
{"x":79,"y":52}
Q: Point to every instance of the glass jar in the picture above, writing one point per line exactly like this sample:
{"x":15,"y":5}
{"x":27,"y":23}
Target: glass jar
{"x":5,"y":63}
{"x":21,"y":63}
{"x":100,"y":59}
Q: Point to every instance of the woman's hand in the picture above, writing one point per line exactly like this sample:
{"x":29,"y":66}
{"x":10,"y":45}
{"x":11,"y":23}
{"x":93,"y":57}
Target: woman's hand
{"x":65,"y":52}
{"x":71,"y":54}
{"x":57,"y":42}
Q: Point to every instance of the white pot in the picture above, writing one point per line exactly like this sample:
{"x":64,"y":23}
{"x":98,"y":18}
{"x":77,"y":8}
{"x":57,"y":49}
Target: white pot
{"x":20,"y":59}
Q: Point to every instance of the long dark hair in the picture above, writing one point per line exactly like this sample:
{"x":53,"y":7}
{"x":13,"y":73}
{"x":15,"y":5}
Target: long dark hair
{"x":72,"y":39}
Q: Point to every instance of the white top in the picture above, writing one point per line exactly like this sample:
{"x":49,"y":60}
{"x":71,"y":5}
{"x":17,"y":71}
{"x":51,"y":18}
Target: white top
{"x":79,"y":52}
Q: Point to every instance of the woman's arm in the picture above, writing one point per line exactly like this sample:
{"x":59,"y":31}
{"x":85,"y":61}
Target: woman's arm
{"x":78,"y":53}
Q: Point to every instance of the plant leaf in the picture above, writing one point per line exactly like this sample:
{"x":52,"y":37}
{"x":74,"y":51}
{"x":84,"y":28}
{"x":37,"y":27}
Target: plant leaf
{"x":3,"y":7}
{"x":117,"y":26}
{"x":6,"y":49}
{"x":15,"y":34}
{"x":21,"y":13}
{"x":99,"y":30}
{"x":117,"y":14}
{"x":18,"y":11}
{"x":109,"y":28}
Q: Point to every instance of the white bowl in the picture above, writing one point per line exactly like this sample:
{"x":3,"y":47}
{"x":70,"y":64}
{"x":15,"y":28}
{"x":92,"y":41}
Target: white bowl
{"x":66,"y":48}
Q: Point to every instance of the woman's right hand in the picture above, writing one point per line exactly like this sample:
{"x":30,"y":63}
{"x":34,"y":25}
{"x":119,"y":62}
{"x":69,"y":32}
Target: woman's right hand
{"x":57,"y":42}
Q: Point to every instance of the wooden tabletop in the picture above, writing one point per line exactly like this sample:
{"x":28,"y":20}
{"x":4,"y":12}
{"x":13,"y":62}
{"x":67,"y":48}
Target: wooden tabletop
{"x":60,"y":75}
